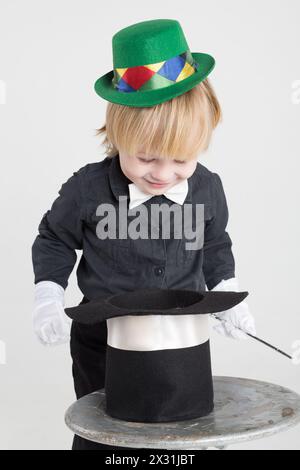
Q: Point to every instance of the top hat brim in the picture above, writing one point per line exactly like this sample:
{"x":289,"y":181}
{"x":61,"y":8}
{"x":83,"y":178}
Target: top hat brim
{"x":154,"y":302}
{"x":104,"y":86}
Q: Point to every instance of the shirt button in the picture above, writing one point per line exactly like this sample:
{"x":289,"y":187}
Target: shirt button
{"x":159,"y":271}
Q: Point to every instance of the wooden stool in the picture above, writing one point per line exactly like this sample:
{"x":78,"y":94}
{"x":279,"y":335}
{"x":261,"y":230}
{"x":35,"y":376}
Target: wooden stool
{"x":244,"y":410}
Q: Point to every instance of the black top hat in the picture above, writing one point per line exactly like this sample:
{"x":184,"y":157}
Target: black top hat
{"x":164,"y":383}
{"x":154,"y":302}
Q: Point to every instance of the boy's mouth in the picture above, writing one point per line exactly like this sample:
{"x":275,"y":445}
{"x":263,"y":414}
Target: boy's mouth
{"x":157,"y":185}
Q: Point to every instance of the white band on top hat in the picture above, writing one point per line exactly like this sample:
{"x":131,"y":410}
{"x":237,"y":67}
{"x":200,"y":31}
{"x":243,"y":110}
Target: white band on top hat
{"x":157,"y":332}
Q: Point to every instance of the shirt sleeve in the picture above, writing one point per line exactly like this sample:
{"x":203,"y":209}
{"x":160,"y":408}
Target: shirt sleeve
{"x":218,"y":259}
{"x":60,"y":233}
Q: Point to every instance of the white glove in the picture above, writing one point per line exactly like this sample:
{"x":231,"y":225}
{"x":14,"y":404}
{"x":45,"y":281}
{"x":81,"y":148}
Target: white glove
{"x":236,"y":317}
{"x":51,"y":324}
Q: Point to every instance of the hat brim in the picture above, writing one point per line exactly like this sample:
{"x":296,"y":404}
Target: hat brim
{"x":104,"y":86}
{"x":154,"y":302}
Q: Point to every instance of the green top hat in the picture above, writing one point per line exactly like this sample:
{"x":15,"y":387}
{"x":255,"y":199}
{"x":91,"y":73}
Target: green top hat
{"x":152,"y":64}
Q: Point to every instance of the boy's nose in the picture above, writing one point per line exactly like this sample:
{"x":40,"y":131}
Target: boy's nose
{"x":162,"y":176}
{"x":163,"y":173}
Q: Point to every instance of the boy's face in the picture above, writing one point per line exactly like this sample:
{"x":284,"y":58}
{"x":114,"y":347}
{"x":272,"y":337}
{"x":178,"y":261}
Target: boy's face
{"x":153,"y":174}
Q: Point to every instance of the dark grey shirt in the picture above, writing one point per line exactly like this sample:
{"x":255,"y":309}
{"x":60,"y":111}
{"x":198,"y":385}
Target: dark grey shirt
{"x":109,"y":266}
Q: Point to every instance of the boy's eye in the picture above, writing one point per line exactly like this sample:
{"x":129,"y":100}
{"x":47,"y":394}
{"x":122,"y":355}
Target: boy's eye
{"x":145,"y":160}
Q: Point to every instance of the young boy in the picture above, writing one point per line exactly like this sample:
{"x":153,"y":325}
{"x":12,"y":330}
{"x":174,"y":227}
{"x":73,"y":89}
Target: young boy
{"x":161,"y":113}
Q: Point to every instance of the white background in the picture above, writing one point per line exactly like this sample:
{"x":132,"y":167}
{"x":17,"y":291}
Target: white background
{"x":51,"y":53}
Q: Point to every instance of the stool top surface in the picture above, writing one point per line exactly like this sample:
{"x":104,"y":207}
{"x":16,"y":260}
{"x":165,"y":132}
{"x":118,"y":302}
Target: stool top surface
{"x":244,"y":410}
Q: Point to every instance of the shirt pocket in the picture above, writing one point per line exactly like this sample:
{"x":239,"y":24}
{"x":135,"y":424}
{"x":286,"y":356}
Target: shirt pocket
{"x":116,"y":251}
{"x":188,"y":249}
{"x":120,"y":252}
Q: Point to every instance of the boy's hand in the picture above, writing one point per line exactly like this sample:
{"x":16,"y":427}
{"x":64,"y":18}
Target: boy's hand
{"x":237,"y":318}
{"x":51,"y":324}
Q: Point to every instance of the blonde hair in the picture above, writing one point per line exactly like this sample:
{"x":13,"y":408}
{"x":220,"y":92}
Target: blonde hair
{"x":180,"y":128}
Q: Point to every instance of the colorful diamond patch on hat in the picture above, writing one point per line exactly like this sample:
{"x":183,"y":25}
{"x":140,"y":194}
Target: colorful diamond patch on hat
{"x":155,"y":76}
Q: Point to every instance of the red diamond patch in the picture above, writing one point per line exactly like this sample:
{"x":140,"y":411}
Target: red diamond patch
{"x":137,"y":76}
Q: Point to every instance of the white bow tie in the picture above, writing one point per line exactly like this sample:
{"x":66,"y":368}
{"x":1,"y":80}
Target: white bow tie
{"x":176,"y":193}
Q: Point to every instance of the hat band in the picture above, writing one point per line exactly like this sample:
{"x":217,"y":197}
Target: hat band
{"x":155,"y":76}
